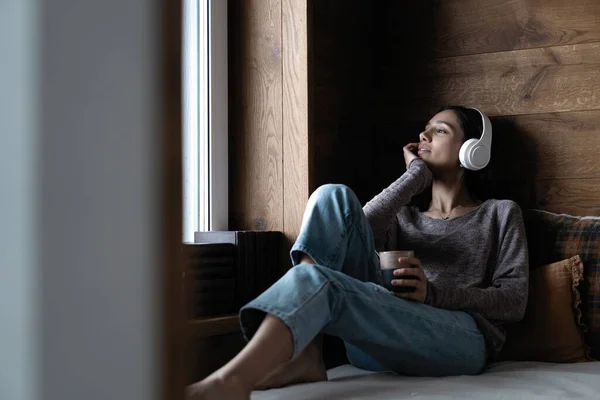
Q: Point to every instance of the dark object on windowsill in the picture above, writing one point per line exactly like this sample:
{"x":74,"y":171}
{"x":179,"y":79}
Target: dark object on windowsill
{"x":257,"y":259}
{"x":209,"y":279}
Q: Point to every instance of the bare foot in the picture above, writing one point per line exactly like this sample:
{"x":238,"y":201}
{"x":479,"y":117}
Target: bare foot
{"x":307,"y":367}
{"x":217,"y":388}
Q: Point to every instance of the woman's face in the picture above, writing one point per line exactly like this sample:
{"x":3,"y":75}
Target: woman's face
{"x":440,"y":142}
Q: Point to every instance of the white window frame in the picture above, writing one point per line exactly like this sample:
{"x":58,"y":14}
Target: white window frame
{"x":205,"y":117}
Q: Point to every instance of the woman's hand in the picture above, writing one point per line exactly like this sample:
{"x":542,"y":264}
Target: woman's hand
{"x":410,"y":152}
{"x":411,"y":267}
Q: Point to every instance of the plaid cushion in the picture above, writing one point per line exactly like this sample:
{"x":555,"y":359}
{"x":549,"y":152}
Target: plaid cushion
{"x":554,"y":237}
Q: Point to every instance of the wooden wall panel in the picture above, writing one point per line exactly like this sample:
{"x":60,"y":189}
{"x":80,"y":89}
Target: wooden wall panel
{"x":485,"y":26}
{"x":341,"y":85}
{"x":359,"y":74}
{"x":509,"y":83}
{"x":565,"y":145}
{"x":256,"y":138}
{"x":270,"y":149}
{"x":296,"y":143}
{"x":588,"y":53}
{"x":569,"y":196}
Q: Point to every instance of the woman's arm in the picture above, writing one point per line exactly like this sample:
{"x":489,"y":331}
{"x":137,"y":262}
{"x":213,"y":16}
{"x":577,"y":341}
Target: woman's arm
{"x":382,"y":209}
{"x":506,"y":299}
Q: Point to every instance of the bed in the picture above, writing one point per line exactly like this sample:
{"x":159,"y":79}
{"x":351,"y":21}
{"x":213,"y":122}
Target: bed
{"x":505,"y":380}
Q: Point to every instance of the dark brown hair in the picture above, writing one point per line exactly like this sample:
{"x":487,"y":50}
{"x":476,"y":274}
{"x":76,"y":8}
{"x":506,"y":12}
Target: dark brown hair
{"x":472,"y":126}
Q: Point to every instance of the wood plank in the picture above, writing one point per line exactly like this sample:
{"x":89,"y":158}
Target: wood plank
{"x":483,"y":26}
{"x":206,"y":327}
{"x":565,"y":145}
{"x":569,"y":196}
{"x":256,"y":178}
{"x":588,"y":53}
{"x":296,"y":143}
{"x":521,"y":84}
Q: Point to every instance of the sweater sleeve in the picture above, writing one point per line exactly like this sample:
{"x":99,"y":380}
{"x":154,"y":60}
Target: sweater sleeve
{"x":382,"y":209}
{"x":506,"y":299}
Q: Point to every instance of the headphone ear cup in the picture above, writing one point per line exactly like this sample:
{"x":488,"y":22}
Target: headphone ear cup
{"x":464,"y":155}
{"x":474,"y":155}
{"x":479,"y":156}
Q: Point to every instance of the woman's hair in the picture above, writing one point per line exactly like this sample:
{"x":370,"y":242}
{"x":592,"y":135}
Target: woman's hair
{"x":472,"y":126}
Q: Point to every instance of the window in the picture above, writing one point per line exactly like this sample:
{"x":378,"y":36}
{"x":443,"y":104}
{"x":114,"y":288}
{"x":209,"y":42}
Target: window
{"x":205,"y":183}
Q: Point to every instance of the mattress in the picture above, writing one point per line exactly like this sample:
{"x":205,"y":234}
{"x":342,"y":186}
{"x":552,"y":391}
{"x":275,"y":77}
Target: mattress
{"x":507,"y":380}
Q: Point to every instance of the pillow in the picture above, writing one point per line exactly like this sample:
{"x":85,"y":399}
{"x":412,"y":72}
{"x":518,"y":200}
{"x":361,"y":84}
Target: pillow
{"x":551,"y":329}
{"x":554,"y":237}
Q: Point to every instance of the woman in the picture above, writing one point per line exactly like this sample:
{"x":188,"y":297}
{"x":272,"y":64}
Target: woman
{"x":470,"y":257}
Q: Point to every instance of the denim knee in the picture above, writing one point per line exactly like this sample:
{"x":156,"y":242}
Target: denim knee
{"x":312,"y":274}
{"x":290,"y":293}
{"x":336,"y":193}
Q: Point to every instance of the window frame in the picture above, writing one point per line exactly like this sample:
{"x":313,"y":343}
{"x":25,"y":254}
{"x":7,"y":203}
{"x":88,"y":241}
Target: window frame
{"x":205,"y":117}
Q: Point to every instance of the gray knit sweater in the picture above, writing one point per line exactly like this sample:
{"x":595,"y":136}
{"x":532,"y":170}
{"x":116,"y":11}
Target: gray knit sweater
{"x":477,"y":262}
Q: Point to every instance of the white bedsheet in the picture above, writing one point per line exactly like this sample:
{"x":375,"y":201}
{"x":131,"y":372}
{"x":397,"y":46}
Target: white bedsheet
{"x":508,"y":380}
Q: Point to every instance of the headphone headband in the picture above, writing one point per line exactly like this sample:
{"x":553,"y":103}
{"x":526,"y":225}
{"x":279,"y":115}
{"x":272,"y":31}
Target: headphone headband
{"x":486,"y":128}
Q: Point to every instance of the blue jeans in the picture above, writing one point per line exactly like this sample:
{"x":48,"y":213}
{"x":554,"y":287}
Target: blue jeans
{"x":340,"y":295}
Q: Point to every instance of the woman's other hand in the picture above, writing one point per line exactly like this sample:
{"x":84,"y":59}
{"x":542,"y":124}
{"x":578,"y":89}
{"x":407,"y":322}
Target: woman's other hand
{"x":410,"y":152}
{"x":405,"y":276}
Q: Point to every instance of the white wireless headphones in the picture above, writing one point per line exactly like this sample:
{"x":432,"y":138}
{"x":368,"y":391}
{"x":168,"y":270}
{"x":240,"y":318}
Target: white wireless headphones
{"x":475,"y":154}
